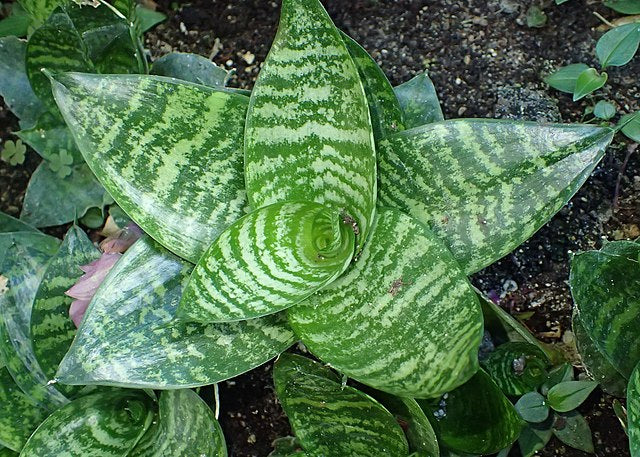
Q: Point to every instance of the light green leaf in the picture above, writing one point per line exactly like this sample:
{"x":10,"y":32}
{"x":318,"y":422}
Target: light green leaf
{"x":402,"y":319}
{"x":268,"y":261}
{"x":16,"y":23}
{"x":308,"y":134}
{"x":192,"y":68}
{"x":624,"y":6}
{"x":185,"y":426}
{"x":49,"y":136}
{"x":564,"y":79}
{"x":631,"y":126}
{"x":633,"y":411}
{"x":334,"y":420}
{"x":604,"y":110}
{"x":51,"y":200}
{"x":52,"y":330}
{"x":175,"y":161}
{"x":485,"y":186}
{"x":419,"y":101}
{"x":106,"y":424}
{"x":39,"y":10}
{"x":142,"y":345}
{"x":475,"y":418}
{"x":534,"y":437}
{"x":605,"y":286}
{"x":573,"y":430}
{"x":19,"y":416}
{"x":386,"y":115}
{"x":532,"y":407}
{"x":568,"y":395}
{"x":559,"y":374}
{"x":618,"y":46}
{"x":536,"y":17}
{"x":13,"y":152}
{"x":588,"y":81}
{"x":517,"y":367}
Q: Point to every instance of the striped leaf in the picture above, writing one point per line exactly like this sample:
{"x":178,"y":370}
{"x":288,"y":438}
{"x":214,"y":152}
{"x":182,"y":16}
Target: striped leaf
{"x":633,"y":411}
{"x":129,"y":336}
{"x":402,"y":319}
{"x":475,"y":418}
{"x":52,"y":330}
{"x":192,"y":68}
{"x":386,"y":115}
{"x":517,"y":367}
{"x":269,"y":260}
{"x":308,"y":134}
{"x":168,"y":152}
{"x":39,"y":10}
{"x":19,"y":416}
{"x":419,"y":101}
{"x":106,"y":424}
{"x":605,"y":286}
{"x":23,"y":266}
{"x":334,"y":420}
{"x":485,"y":186}
{"x":185,"y":426}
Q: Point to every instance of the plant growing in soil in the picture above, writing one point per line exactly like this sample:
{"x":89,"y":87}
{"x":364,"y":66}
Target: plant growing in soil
{"x":327,"y":207}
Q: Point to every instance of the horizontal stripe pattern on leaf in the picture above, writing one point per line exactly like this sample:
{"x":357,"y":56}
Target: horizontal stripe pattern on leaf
{"x":308,"y":134}
{"x":169,"y":153}
{"x":269,"y":260}
{"x":633,"y":407}
{"x":332,"y":420}
{"x":403,"y":318}
{"x":485,"y":186}
{"x":130,"y":337}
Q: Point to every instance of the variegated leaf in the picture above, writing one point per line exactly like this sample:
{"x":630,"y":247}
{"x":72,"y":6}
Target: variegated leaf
{"x":333,"y":420}
{"x":19,"y":416}
{"x":52,"y":330}
{"x":517,"y":367}
{"x":192,"y":68}
{"x":185,"y":426}
{"x":169,"y":153}
{"x":633,"y":411}
{"x":308,"y":134}
{"x":485,"y":186}
{"x":105,"y":424}
{"x":39,"y":10}
{"x":419,"y":101}
{"x":23,"y":266}
{"x":605,"y":286}
{"x":129,"y":336}
{"x":269,"y":260}
{"x":386,"y":115}
{"x":403,"y":319}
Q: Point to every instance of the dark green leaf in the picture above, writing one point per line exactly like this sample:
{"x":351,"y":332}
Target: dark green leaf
{"x":93,"y":218}
{"x":485,"y":186}
{"x":604,"y":110}
{"x":568,"y":395}
{"x":564,"y":79}
{"x":334,"y":420}
{"x":175,"y":161}
{"x":573,"y":430}
{"x":631,"y":127}
{"x":633,"y":410}
{"x":624,"y":6}
{"x":532,"y":407}
{"x":148,"y":18}
{"x":517,"y":367}
{"x":475,"y":418}
{"x":559,"y":374}
{"x":11,"y":224}
{"x":621,"y":414}
{"x":6,"y":452}
{"x":588,"y":81}
{"x":419,"y":101}
{"x":534,"y":437}
{"x":403,"y":318}
{"x":192,"y":68}
{"x":142,"y":345}
{"x":618,"y":46}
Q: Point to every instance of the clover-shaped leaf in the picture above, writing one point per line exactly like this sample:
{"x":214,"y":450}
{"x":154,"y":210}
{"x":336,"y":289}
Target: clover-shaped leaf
{"x":60,"y":163}
{"x":13,"y":152}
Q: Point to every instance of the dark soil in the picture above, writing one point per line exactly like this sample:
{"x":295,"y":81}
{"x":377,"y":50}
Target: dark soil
{"x":485,"y":62}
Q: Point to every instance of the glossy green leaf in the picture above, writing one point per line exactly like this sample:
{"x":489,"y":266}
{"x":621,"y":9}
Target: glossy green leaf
{"x":129,"y":336}
{"x":185,"y":426}
{"x":174,"y":163}
{"x":517,"y":367}
{"x":419,"y":101}
{"x":631,"y":126}
{"x":268,"y":261}
{"x":532,"y":407}
{"x":192,"y":68}
{"x":308,"y":134}
{"x":534,"y":437}
{"x":106,"y":424}
{"x":19,"y":416}
{"x":624,"y":6}
{"x":52,"y":330}
{"x":49,"y":136}
{"x":15,"y":88}
{"x":588,"y":81}
{"x":557,"y":375}
{"x":604,"y":110}
{"x":605,"y":286}
{"x":572,"y":429}
{"x":568,"y":395}
{"x":23,"y":266}
{"x":564,"y":79}
{"x":334,"y":420}
{"x":386,"y":115}
{"x":485,"y":186}
{"x":402,"y":319}
{"x":51,"y":200}
{"x":618,"y":46}
{"x":39,"y":10}
{"x":475,"y":418}
{"x":633,"y":411}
